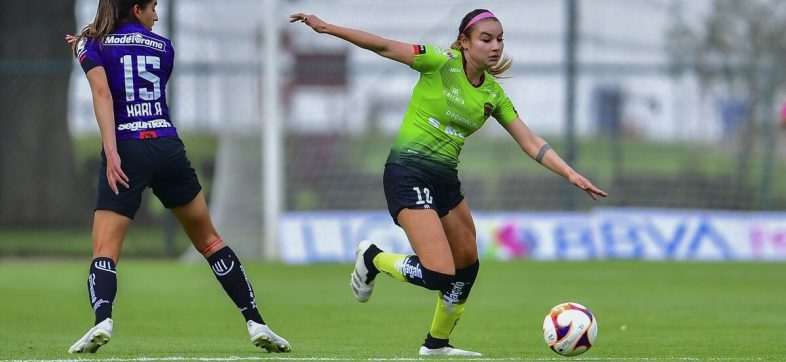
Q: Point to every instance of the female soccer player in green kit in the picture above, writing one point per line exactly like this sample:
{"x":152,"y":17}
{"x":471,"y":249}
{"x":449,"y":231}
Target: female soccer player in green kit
{"x":454,"y":96}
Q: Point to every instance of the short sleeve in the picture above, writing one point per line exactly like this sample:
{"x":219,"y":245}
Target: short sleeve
{"x":429,"y":58}
{"x":504,"y":112}
{"x":87,"y":54}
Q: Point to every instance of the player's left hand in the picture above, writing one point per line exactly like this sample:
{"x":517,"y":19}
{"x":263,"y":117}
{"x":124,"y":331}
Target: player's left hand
{"x":70,"y":39}
{"x":585,"y":184}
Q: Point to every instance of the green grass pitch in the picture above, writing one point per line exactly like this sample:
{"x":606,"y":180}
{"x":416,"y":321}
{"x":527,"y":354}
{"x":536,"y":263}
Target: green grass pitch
{"x":167,"y":310}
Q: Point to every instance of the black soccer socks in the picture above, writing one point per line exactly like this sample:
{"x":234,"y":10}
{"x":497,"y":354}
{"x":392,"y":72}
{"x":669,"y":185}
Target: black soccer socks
{"x":230,"y":273}
{"x":450,"y":306}
{"x":102,"y":287}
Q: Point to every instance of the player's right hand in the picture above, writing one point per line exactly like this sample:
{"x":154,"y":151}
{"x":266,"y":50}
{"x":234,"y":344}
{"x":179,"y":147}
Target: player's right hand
{"x":311,"y":20}
{"x":115,"y":174}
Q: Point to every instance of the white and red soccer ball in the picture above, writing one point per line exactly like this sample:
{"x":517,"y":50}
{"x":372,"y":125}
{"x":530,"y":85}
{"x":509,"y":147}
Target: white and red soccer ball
{"x":570,"y":329}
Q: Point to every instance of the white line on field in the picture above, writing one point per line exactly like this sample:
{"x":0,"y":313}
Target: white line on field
{"x":257,"y":358}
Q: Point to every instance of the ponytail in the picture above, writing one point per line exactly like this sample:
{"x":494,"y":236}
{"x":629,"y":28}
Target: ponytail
{"x":505,"y":61}
{"x":105,"y":21}
{"x":108,"y":15}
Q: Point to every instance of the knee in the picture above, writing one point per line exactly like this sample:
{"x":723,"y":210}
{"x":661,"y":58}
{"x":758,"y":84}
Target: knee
{"x":464,"y":256}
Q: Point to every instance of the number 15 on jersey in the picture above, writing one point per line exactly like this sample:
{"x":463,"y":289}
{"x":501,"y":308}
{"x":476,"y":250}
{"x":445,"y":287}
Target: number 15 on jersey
{"x":142,"y":63}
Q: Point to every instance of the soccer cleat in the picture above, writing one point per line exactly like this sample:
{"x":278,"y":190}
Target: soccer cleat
{"x":447,"y":351}
{"x":361,"y":282}
{"x":263,"y":337}
{"x":96,"y":337}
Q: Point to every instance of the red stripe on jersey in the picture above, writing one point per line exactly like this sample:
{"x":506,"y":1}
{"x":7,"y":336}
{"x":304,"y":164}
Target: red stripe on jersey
{"x":82,"y":58}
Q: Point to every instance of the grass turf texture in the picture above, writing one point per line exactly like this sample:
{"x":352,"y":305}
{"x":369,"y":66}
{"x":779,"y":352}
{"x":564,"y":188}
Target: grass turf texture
{"x":656,"y":310}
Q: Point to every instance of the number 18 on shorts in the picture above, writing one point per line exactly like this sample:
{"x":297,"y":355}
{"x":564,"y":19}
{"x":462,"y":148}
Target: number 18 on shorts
{"x":407,"y":188}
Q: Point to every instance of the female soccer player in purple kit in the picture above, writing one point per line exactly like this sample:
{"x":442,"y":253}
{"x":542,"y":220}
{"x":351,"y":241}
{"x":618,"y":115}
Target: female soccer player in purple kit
{"x":455,"y":95}
{"x":128,"y":67}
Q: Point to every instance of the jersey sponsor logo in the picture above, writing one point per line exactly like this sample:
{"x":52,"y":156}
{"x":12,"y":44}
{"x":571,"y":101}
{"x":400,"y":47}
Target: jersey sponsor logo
{"x":143,"y":125}
{"x":453,"y":132}
{"x":461,"y":119}
{"x":453,"y":95}
{"x":455,"y":70}
{"x":134,"y":39}
{"x":448,"y":129}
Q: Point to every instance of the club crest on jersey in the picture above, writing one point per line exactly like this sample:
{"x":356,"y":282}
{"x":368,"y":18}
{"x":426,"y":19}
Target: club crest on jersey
{"x":487,"y":109}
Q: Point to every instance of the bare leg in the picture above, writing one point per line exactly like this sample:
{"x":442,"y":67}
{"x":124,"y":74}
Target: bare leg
{"x":427,"y":238}
{"x":109,"y":231}
{"x":460,"y":231}
{"x":196,"y":221}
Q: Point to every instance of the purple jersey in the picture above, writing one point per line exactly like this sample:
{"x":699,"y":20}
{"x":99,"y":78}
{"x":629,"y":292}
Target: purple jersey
{"x":138,"y":64}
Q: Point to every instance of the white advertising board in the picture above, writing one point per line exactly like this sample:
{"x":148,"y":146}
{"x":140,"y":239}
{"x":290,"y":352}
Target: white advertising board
{"x":601,"y":234}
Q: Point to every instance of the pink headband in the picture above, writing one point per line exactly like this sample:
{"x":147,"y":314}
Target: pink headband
{"x":479,"y":17}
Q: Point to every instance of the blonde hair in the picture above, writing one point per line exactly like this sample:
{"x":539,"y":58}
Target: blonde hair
{"x":505,"y":61}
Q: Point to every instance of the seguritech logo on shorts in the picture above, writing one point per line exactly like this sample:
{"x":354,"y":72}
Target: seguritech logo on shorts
{"x":142,"y":125}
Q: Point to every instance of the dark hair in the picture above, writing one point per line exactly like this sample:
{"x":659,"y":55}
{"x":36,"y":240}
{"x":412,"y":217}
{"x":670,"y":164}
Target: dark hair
{"x":504,"y":63}
{"x":109,"y":14}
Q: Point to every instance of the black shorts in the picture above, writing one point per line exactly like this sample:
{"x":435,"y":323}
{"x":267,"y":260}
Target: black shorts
{"x":410,"y":188}
{"x":158,"y":163}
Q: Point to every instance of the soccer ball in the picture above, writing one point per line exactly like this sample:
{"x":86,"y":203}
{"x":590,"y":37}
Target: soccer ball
{"x":570,"y":329}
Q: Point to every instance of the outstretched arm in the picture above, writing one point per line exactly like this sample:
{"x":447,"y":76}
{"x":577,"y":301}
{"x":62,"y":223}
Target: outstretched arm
{"x":398,"y":51}
{"x":536,"y":147}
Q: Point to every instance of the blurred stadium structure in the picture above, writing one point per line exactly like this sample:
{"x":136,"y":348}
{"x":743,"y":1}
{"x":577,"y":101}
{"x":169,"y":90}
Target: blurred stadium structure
{"x":660,"y":119}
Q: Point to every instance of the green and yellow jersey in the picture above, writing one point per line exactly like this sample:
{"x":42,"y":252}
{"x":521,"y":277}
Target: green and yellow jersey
{"x":445,"y":109}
